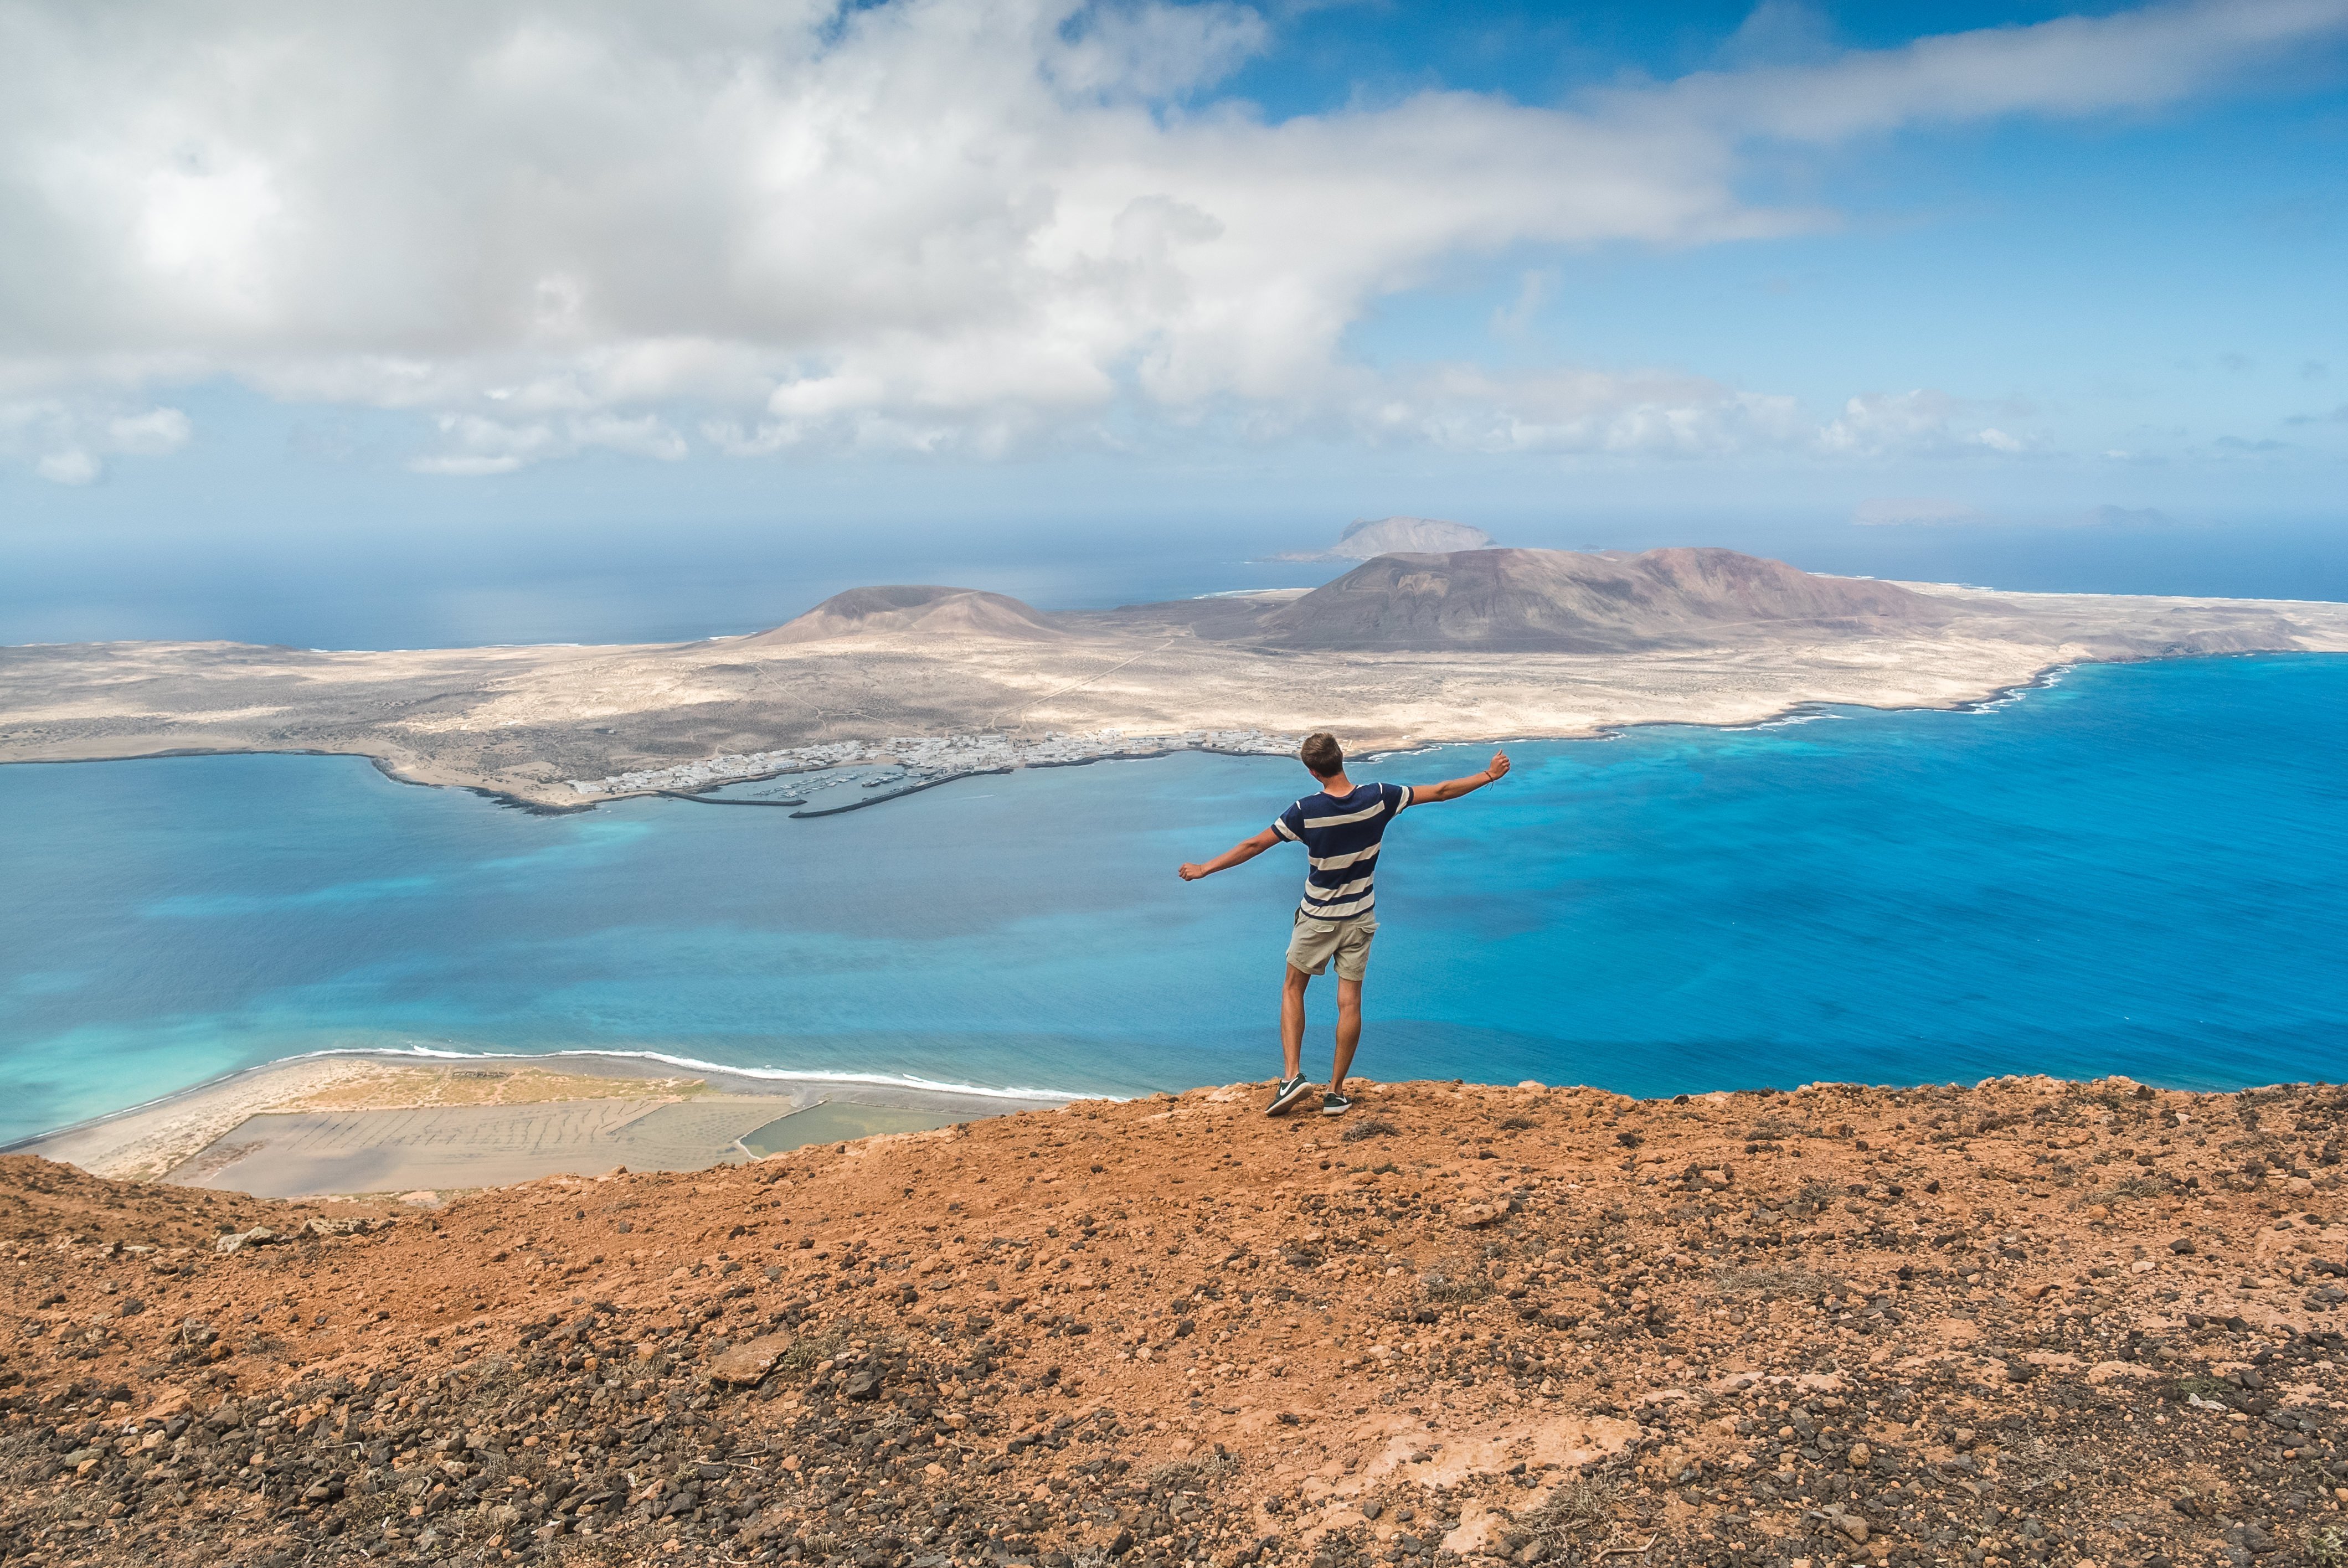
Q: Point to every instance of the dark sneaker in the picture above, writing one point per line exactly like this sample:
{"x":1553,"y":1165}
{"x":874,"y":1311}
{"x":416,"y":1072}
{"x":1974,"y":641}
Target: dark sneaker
{"x":1335,"y":1105}
{"x":1290,"y":1091}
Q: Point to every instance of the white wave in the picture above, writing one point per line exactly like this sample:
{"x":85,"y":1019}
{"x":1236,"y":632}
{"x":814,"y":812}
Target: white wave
{"x":1787,"y":721}
{"x":775,"y":1074}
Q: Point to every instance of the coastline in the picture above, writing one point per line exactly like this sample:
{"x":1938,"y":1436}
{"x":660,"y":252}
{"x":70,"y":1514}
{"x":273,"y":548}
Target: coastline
{"x":1984,"y":698}
{"x":169,"y":1137}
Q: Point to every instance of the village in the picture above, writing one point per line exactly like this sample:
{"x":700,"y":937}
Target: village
{"x":933,"y":759}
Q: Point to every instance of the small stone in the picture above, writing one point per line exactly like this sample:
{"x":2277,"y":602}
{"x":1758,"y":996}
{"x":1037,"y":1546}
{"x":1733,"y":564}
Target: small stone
{"x":1860,"y":1457}
{"x":1850,"y":1525}
{"x":1476,"y":1216}
{"x":750,"y":1361}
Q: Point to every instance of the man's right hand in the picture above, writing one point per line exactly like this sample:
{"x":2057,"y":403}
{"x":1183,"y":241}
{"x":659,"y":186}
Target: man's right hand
{"x":1452,"y":789}
{"x":1192,"y":871}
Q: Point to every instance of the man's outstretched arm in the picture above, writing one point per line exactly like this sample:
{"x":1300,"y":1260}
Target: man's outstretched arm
{"x":1246,"y":849}
{"x":1452,"y":789}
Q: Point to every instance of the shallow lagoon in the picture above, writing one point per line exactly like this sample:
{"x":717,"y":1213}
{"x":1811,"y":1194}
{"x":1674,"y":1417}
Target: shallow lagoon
{"x":2140,"y":869}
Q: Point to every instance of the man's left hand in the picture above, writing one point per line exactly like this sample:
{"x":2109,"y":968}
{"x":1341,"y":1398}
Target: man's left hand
{"x":1192,"y":871}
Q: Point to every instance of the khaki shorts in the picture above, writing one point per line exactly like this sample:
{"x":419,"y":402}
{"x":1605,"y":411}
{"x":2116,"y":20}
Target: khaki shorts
{"x":1313,"y":943}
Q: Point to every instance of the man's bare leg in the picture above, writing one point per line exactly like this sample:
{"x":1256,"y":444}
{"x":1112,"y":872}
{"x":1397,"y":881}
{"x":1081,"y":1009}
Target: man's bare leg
{"x":1349,"y":1031}
{"x":1292,"y":1020}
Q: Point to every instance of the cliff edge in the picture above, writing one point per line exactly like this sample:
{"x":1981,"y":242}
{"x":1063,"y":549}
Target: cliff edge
{"x":2029,"y":1322}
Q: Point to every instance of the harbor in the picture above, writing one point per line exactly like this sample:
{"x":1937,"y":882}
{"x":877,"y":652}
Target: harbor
{"x":907,"y":764}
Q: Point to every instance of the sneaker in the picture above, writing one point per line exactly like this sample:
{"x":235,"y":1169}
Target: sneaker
{"x":1335,"y":1105}
{"x":1290,"y":1091}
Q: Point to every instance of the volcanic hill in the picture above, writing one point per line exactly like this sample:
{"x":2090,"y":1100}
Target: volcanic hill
{"x":1575,"y":602}
{"x":922,"y":610}
{"x":2031,"y":1322}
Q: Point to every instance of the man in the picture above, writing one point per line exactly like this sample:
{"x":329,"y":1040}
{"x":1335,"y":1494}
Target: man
{"x":1340,"y":828}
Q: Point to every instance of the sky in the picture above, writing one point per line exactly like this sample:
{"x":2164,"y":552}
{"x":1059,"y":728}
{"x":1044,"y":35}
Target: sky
{"x":588,"y":290}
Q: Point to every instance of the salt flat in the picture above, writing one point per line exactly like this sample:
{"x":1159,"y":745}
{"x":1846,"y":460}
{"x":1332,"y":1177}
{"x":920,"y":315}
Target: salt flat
{"x":432,"y":1147}
{"x":378,"y":1123}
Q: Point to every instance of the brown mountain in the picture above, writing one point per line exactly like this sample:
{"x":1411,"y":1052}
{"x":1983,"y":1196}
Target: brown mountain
{"x":1565,"y":602}
{"x":920,"y":610}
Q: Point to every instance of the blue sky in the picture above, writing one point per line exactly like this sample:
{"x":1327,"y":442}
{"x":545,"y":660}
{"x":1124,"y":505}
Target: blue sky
{"x":596,"y":274}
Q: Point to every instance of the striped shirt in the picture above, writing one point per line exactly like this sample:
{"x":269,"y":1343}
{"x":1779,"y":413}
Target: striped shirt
{"x":1341,"y":834}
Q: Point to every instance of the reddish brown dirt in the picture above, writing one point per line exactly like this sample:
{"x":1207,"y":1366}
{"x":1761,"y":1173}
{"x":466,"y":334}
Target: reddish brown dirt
{"x":2029,"y":1322}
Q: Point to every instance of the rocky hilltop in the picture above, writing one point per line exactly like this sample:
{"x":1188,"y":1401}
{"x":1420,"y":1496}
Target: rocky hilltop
{"x":920,"y":610}
{"x":1575,"y":602}
{"x":2026,"y":1323}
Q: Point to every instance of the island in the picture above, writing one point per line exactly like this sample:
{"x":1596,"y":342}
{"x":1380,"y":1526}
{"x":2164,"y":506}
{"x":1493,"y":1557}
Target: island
{"x":1404,"y":649}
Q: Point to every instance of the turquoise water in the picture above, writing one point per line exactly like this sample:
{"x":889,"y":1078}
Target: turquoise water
{"x":2140,"y":869}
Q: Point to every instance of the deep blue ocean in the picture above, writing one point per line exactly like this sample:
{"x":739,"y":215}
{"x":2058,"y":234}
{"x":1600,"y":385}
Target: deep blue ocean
{"x":2138,"y":869}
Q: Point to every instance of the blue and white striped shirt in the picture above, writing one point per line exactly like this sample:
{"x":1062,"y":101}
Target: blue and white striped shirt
{"x":1341,"y":834}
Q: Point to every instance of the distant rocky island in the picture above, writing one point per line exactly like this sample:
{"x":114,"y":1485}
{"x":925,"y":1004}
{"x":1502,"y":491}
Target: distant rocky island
{"x":1410,"y":648}
{"x":1368,"y":537}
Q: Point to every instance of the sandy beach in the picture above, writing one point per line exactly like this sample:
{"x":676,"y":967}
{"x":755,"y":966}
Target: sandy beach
{"x":390,"y":1123}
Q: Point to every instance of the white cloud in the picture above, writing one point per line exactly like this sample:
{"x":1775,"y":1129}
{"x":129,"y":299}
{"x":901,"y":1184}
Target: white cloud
{"x":71,"y":465}
{"x":67,"y":440}
{"x":929,"y":224}
{"x":154,"y":433}
{"x":1924,"y":423}
{"x":474,"y":445}
{"x":2138,"y":59}
{"x":1150,"y":52}
{"x":1469,"y":409}
{"x":1533,"y":292}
